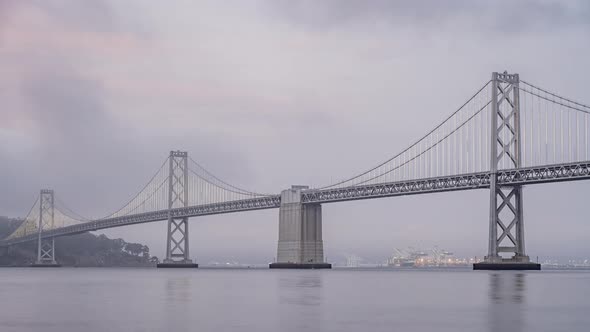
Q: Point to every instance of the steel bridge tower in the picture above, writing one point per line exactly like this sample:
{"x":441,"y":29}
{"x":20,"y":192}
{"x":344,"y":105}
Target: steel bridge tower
{"x":177,"y":242}
{"x":506,"y":224}
{"x":46,"y":246}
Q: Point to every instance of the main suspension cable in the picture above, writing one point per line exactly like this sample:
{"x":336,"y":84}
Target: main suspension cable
{"x":411,"y":145}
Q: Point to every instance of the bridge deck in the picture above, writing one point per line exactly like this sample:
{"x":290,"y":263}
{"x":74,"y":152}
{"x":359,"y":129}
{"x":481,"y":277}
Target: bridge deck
{"x":509,"y":177}
{"x":266,"y":202}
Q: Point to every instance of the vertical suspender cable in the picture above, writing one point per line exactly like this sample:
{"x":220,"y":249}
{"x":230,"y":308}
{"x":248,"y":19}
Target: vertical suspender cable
{"x":473,"y":140}
{"x":532,"y":131}
{"x":524,"y":130}
{"x":539,"y":154}
{"x":553,"y":143}
{"x":437,"y":154}
{"x":577,"y":138}
{"x":586,"y":117}
{"x":569,"y":136}
{"x":546,"y":132}
{"x":460,"y":143}
{"x":456,"y":147}
{"x":561,"y":130}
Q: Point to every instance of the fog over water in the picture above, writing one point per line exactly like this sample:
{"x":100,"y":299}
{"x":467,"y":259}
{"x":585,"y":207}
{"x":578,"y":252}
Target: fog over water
{"x":266,"y":94}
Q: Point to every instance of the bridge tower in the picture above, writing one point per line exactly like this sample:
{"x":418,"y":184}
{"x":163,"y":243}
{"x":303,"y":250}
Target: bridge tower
{"x":177,"y":242}
{"x":506,"y":223}
{"x":300,"y":233}
{"x":46,"y":246}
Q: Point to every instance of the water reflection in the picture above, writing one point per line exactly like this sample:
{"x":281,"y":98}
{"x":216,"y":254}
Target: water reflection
{"x":176,"y":304}
{"x":506,"y":301}
{"x":178,"y":290}
{"x":299,"y":295}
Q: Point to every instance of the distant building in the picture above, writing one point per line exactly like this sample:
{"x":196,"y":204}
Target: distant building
{"x":353,"y":261}
{"x":435,"y":257}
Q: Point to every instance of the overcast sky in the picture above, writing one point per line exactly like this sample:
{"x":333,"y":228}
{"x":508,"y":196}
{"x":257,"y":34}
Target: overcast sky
{"x":266,"y":94}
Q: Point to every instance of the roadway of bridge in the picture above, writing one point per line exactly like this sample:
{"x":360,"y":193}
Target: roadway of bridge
{"x":471,"y":181}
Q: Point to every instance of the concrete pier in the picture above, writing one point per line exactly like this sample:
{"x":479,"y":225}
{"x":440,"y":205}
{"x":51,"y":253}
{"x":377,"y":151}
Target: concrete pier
{"x":46,"y":264}
{"x":507,"y":266}
{"x":515,"y":263}
{"x":177,"y":265}
{"x":300,"y":233}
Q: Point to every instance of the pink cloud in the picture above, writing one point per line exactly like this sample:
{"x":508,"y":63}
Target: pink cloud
{"x":31,"y":30}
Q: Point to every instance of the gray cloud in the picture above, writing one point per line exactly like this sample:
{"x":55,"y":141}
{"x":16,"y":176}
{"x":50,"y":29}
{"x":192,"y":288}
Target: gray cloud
{"x":68,"y":110}
{"x":94,"y":15}
{"x":6,"y":8}
{"x":498,"y":15}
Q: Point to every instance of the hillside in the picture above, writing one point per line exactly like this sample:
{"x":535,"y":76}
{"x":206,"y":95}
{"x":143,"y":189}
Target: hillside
{"x":77,"y":250}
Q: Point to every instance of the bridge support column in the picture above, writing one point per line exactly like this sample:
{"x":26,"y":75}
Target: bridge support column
{"x":177,"y":249}
{"x":45,"y":246}
{"x":506,"y":224}
{"x":300,"y":233}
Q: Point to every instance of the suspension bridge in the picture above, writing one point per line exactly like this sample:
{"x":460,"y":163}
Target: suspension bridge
{"x":509,"y":134}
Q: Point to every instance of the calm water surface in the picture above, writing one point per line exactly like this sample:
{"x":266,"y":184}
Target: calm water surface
{"x":86,"y":299}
